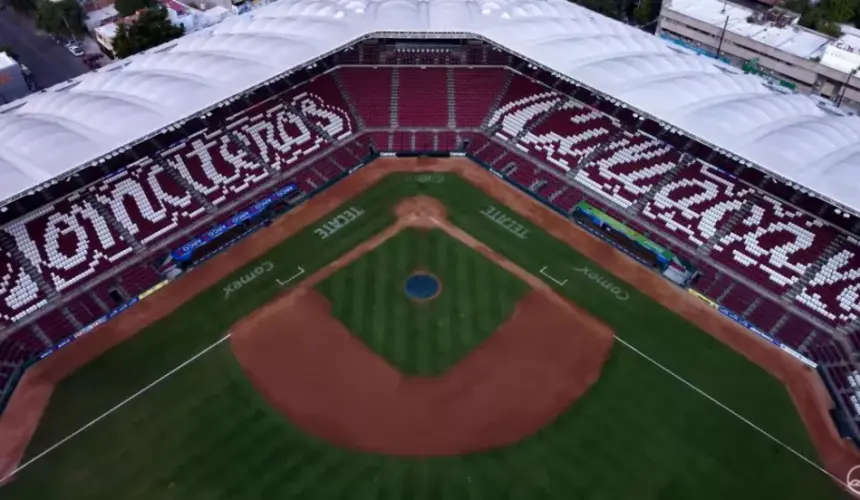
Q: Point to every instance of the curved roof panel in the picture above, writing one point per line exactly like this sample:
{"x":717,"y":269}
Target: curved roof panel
{"x":97,"y":113}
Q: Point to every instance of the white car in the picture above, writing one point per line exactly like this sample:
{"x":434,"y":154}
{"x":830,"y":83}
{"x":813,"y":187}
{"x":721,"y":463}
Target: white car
{"x":75,"y":49}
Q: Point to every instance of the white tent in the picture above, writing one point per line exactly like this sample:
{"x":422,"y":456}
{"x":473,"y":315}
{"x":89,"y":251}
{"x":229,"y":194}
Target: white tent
{"x":58,"y":130}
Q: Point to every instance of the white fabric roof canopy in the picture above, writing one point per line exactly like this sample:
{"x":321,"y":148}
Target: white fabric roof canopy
{"x":69,"y":125}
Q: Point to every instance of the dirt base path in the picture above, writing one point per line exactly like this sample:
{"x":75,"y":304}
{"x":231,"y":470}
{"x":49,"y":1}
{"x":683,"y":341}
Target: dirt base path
{"x":804,"y":385}
{"x":311,"y":368}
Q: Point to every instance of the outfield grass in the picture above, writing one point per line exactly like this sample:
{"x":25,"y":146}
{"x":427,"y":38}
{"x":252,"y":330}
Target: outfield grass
{"x":206,"y":434}
{"x":422,"y":338}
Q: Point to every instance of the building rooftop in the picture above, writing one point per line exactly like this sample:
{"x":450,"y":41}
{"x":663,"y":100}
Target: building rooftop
{"x":102,"y":16}
{"x":108,"y":30}
{"x":843,"y":54}
{"x":792,"y":39}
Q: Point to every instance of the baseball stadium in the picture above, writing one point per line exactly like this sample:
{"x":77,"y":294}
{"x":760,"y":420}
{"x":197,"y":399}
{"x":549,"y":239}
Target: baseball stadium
{"x":427,"y":249}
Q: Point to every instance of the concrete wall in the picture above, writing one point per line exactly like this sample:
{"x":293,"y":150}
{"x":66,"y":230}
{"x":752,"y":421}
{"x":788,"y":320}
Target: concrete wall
{"x":806,"y":73}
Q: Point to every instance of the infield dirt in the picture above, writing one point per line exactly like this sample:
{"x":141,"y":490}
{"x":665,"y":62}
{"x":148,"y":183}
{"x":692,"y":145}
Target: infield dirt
{"x":330,"y":384}
{"x":19,"y":421}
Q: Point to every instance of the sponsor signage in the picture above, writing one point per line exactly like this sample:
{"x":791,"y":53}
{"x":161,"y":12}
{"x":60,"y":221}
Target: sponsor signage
{"x":184,"y":252}
{"x":605,"y":283}
{"x":505,"y":221}
{"x":338,"y":222}
{"x":246,"y":278}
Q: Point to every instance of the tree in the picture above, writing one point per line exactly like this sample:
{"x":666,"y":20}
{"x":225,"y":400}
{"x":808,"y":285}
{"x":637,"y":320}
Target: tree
{"x":129,"y":7}
{"x":151,"y":29}
{"x":826,"y":15}
{"x":829,"y":28}
{"x":64,"y":17}
{"x":23,"y":6}
{"x":644,"y":12}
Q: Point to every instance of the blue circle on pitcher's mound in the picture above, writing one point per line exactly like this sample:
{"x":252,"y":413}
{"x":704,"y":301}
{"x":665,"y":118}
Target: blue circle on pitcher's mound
{"x":422,"y":286}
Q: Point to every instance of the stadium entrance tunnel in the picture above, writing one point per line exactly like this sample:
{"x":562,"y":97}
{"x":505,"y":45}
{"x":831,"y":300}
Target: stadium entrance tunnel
{"x":422,"y":286}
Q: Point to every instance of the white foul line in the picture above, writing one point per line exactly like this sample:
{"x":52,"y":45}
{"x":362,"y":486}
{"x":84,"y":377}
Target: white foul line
{"x":115,"y":408}
{"x":557,"y":282}
{"x":736,"y":414}
{"x":283,"y":283}
{"x":622,"y":341}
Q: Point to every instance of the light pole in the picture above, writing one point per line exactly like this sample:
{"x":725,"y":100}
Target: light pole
{"x":845,"y":85}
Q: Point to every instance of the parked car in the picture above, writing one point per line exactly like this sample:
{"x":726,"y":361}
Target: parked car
{"x":75,"y":48}
{"x":94,"y":61}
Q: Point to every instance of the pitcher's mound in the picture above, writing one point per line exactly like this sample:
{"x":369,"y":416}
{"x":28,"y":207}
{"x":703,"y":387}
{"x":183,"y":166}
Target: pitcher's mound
{"x":327,"y":382}
{"x":422,"y":286}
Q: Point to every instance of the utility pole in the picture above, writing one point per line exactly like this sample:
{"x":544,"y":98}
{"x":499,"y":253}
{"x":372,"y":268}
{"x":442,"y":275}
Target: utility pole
{"x":69,"y":28}
{"x":722,"y":33}
{"x":845,"y":86}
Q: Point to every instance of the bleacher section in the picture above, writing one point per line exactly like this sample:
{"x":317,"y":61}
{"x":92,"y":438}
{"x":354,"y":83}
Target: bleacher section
{"x":423,"y":97}
{"x":138,"y":279}
{"x":69,"y":242}
{"x":217,"y":167}
{"x":370,"y":92}
{"x":834,"y":291}
{"x":20,"y":345}
{"x":147,"y":201}
{"x":568,"y":135}
{"x":774,"y":244}
{"x":323,"y":104}
{"x":476,"y":91}
{"x":521,"y":104}
{"x":790,"y":271}
{"x":695,"y":203}
{"x":276,"y":135}
{"x":19,"y":294}
{"x":55,"y":325}
{"x":628,"y":167}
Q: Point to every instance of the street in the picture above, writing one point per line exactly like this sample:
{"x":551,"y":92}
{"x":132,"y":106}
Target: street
{"x":50,"y":62}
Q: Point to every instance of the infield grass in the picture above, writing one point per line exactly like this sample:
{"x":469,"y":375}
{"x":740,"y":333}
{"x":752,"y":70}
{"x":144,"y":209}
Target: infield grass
{"x":422,"y":338}
{"x":637,"y":434}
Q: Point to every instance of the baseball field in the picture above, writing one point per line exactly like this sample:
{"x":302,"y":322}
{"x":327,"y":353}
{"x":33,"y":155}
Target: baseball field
{"x":421,"y":330}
